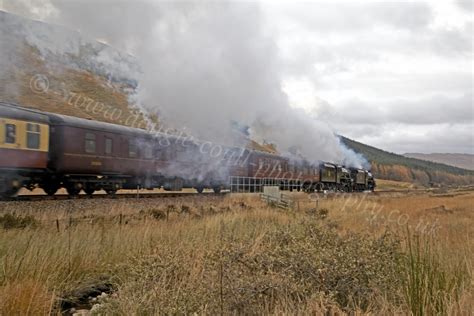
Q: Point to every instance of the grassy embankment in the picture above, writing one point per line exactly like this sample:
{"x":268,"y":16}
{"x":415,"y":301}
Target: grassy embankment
{"x":393,"y":253}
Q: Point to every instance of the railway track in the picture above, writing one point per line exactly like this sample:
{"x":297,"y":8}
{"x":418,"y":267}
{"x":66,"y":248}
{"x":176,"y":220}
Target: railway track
{"x":60,"y":197}
{"x":155,"y":195}
{"x":402,"y":191}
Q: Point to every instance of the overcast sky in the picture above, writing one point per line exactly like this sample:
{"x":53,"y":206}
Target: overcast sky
{"x":393,"y":74}
{"x":396,"y":75}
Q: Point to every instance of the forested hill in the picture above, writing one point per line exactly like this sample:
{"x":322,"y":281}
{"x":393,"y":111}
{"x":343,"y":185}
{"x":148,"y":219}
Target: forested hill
{"x":464,"y":161}
{"x":386,"y":165}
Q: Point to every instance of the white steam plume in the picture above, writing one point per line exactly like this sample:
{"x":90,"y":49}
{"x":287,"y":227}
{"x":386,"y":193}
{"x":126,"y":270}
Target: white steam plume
{"x":204,"y":65}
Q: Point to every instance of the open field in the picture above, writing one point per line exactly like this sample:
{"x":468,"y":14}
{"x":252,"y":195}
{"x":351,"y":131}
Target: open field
{"x":393,"y":253}
{"x":395,"y":185}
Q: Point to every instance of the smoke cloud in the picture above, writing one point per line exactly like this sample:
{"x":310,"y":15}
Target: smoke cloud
{"x":203,"y":67}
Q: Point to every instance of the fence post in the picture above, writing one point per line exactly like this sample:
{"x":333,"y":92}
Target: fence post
{"x":69,"y":244}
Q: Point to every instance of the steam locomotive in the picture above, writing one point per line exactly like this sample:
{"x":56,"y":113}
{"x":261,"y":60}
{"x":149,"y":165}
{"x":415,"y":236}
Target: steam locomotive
{"x":52,"y":151}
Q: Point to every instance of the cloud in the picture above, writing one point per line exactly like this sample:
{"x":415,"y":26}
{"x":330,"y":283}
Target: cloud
{"x":382,"y":68}
{"x":438,"y":109}
{"x":435,"y":124}
{"x":465,"y":5}
{"x":402,"y":138}
{"x":334,"y":17}
{"x":33,"y":9}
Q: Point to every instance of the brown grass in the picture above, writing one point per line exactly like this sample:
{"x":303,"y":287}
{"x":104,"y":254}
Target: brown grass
{"x":396,"y":185}
{"x":236,"y":255}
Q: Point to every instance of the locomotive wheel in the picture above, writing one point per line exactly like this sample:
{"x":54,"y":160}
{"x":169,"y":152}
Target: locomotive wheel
{"x":311,"y":188}
{"x":111,"y":192}
{"x":319,"y":187}
{"x":217,"y":190}
{"x":89,"y":191}
{"x":73,"y":191}
{"x":200,"y":189}
{"x":10,"y":188}
{"x":50,"y":190}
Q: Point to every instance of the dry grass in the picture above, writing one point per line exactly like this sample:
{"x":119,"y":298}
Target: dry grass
{"x":396,"y":185}
{"x":236,"y":255}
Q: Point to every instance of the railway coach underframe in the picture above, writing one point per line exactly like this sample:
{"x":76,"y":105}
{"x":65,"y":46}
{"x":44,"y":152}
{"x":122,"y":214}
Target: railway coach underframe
{"x":10,"y":184}
{"x":74,"y":184}
{"x":11,"y":181}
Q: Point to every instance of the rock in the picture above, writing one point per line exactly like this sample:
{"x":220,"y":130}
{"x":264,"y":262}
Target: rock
{"x":83,"y":296}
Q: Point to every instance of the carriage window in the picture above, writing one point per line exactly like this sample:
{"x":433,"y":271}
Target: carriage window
{"x":165,"y":154}
{"x":160,"y":153}
{"x":90,"y":143}
{"x":132,"y":149}
{"x":10,"y":133}
{"x":32,"y":136}
{"x":148,"y":152}
{"x":180,"y":152}
{"x":109,"y":144}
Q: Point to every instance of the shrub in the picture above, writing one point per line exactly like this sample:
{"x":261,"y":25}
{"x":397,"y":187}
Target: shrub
{"x":9,"y":221}
{"x":280,"y":270}
{"x":157,"y":214}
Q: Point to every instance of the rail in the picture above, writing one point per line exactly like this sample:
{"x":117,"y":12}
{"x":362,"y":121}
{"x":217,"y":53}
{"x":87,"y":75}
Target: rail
{"x":59,"y":197}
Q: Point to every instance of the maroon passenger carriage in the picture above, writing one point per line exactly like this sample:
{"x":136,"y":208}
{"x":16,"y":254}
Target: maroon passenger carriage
{"x":92,"y":156}
{"x":53,"y":151}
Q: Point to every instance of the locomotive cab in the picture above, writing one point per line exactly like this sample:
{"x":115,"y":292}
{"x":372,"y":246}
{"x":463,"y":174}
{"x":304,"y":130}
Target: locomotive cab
{"x":370,"y":181}
{"x":344,"y":179}
{"x":359,"y":178}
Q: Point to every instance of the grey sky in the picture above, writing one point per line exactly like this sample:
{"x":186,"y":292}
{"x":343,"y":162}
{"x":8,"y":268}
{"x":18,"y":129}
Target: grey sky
{"x":396,"y":75}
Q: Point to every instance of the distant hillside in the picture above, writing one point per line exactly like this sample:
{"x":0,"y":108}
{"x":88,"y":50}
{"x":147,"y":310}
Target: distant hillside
{"x":75,"y":79}
{"x":390,"y":166}
{"x":465,"y":161}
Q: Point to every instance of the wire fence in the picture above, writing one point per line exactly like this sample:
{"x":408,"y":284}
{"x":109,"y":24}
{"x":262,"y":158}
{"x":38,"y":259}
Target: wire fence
{"x":253,"y":184}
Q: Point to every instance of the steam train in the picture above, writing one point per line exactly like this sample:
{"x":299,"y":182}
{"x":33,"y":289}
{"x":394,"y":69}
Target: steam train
{"x":52,"y":151}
